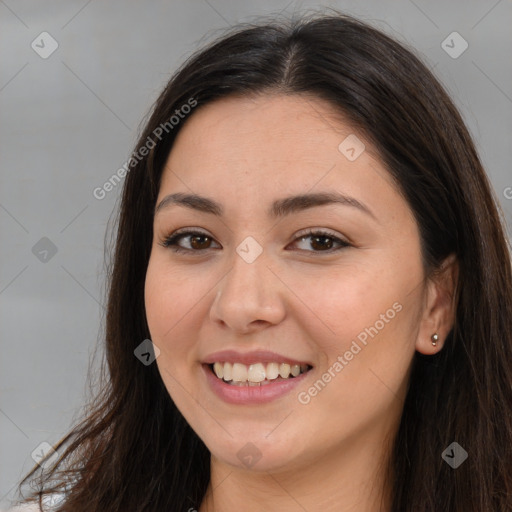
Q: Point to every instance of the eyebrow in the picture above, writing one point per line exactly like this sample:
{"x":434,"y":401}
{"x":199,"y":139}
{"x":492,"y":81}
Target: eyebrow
{"x":279,"y":208}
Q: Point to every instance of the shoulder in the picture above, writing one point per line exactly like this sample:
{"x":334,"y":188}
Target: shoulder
{"x":48,"y":501}
{"x":25,"y":507}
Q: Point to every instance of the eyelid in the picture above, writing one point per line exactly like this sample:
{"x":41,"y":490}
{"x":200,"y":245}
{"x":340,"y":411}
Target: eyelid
{"x":184,"y":232}
{"x":324,"y":232}
{"x":170,"y":241}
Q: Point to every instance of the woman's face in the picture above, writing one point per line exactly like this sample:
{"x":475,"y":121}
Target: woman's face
{"x":258,"y":294}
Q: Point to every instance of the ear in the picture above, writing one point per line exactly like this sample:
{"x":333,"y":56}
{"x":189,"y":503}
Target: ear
{"x":439,"y":306}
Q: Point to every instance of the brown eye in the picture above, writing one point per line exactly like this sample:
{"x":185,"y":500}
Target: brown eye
{"x":313,"y":241}
{"x":200,"y":242}
{"x":321,"y":241}
{"x":197,"y":241}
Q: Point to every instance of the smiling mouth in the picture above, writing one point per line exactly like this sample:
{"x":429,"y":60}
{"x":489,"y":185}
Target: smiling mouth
{"x":257,"y":374}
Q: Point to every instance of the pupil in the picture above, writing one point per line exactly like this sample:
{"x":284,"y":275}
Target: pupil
{"x":322,"y":245}
{"x":195,"y":238}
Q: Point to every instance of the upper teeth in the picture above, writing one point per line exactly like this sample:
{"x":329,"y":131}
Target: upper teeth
{"x":257,"y":372}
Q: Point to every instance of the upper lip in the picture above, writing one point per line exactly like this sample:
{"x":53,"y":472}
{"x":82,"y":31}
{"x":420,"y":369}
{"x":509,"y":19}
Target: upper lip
{"x":256,"y":356}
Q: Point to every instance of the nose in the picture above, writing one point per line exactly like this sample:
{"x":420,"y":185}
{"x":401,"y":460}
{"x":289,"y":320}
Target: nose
{"x":249,"y":297}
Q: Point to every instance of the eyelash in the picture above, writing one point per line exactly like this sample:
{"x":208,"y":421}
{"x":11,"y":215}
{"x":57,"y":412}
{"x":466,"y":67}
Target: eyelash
{"x":171,"y":240}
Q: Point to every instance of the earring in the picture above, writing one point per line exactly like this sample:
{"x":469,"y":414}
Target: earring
{"x":434,"y":338}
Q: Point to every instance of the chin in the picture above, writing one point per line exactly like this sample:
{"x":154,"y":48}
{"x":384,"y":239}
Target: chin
{"x":256,"y":452}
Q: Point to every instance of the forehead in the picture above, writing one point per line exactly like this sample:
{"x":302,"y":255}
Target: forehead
{"x":254,"y":149}
{"x":290,"y":126}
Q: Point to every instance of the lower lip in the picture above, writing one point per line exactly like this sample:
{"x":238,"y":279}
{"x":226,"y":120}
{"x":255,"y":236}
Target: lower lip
{"x":251,"y":394}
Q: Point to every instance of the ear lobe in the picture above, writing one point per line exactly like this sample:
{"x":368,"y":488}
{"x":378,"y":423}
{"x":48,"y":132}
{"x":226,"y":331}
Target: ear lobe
{"x":439,"y":307}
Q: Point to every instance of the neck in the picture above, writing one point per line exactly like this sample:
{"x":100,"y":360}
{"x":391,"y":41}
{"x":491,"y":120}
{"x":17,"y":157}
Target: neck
{"x":349,"y":478}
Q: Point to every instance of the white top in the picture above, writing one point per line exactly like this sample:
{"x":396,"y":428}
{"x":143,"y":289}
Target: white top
{"x":33,"y":507}
{"x":25,"y":508}
{"x":48,"y":501}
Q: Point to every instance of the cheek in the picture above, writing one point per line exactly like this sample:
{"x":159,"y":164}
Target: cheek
{"x":168,"y":295}
{"x":367,"y":315}
{"x":169,"y":301}
{"x":346,"y":300}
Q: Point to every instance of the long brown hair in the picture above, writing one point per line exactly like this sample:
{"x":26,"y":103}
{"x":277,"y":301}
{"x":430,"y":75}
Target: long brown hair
{"x":134,"y":451}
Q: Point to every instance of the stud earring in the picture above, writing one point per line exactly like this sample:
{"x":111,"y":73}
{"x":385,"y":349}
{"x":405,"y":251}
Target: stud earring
{"x":434,"y":339}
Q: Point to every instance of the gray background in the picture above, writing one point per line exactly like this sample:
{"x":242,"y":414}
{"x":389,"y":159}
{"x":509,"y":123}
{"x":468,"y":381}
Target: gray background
{"x":69,"y":121}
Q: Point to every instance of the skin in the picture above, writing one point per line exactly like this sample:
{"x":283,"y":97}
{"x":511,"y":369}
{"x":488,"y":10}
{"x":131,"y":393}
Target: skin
{"x":294,"y":299}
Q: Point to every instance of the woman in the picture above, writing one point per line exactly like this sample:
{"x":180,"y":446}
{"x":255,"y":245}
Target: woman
{"x":310,"y":305}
